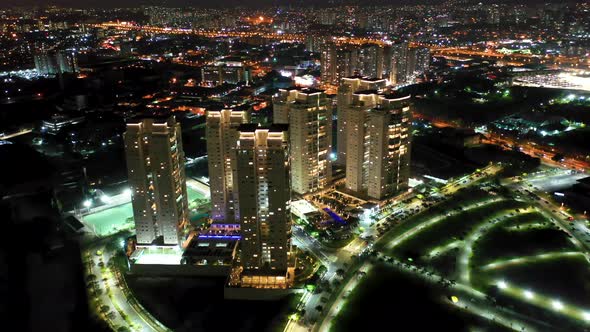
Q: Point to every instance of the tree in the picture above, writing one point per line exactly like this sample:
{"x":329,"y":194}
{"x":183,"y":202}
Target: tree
{"x":319,"y":308}
{"x":340,"y":272}
{"x":104,"y":308}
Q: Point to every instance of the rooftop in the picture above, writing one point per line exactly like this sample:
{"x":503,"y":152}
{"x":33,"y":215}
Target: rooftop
{"x":304,"y":90}
{"x":212,"y":246}
{"x":366,"y":92}
{"x":252,"y":127}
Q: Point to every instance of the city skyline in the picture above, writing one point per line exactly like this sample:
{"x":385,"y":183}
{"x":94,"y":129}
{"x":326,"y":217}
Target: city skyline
{"x":295,"y":166}
{"x":254,"y":3}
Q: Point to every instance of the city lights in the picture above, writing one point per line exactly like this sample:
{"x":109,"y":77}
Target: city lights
{"x":319,"y":154}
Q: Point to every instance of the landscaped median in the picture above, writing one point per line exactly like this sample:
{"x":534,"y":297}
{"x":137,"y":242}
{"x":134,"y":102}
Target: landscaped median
{"x":337,"y":293}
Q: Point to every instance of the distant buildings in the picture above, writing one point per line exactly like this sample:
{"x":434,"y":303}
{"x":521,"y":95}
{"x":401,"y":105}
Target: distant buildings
{"x":316,"y":42}
{"x":339,"y":61}
{"x":53,"y":63}
{"x":407,"y":63}
{"x":222,"y":137}
{"x":418,"y":62}
{"x":223,"y":73}
{"x":308,"y":112}
{"x":399,"y":63}
{"x":378,"y":142}
{"x":262,"y":161}
{"x":155,"y":164}
{"x":57,"y":123}
{"x":398,"y":73}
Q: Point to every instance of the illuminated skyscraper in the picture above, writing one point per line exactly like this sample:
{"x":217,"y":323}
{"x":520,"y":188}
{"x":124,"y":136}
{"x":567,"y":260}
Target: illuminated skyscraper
{"x":346,"y":103}
{"x":262,"y":161}
{"x":378,"y":144}
{"x":222,"y":137}
{"x":155,"y":165}
{"x":389,"y":129}
{"x":308,"y":112}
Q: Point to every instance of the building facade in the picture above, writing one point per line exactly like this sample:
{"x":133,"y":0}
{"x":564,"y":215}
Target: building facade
{"x":398,"y":71}
{"x":340,"y":61}
{"x":418,"y":62}
{"x":54,"y":63}
{"x":345,"y":103}
{"x":406,"y":64}
{"x":219,"y":74}
{"x":222,"y":136}
{"x":389,"y":126}
{"x":378,"y":144}
{"x":262,"y":160}
{"x":308,"y":112}
{"x":155,"y":165}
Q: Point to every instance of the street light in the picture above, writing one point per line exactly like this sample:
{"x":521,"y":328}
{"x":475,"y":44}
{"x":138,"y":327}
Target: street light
{"x":105,"y":199}
{"x":557,"y":305}
{"x":502,"y":284}
{"x":528,"y":294}
{"x":87,"y":203}
{"x":127,"y":192}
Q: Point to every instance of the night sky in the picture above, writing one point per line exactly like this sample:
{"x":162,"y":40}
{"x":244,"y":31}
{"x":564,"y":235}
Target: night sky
{"x":212,"y":3}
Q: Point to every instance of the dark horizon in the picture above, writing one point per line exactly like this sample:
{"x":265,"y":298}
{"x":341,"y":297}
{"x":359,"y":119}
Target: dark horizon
{"x":225,"y":3}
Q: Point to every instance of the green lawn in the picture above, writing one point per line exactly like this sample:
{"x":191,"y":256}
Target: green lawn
{"x":404,"y":303}
{"x":518,"y":243}
{"x":112,"y":220}
{"x":564,"y":278}
{"x":446,"y":263}
{"x":523,"y":220}
{"x":453,"y":228}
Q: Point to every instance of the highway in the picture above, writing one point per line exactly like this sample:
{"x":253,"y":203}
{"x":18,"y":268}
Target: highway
{"x":545,"y":153}
{"x":516,"y":59}
{"x":282,"y":37}
{"x":538,"y":151}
